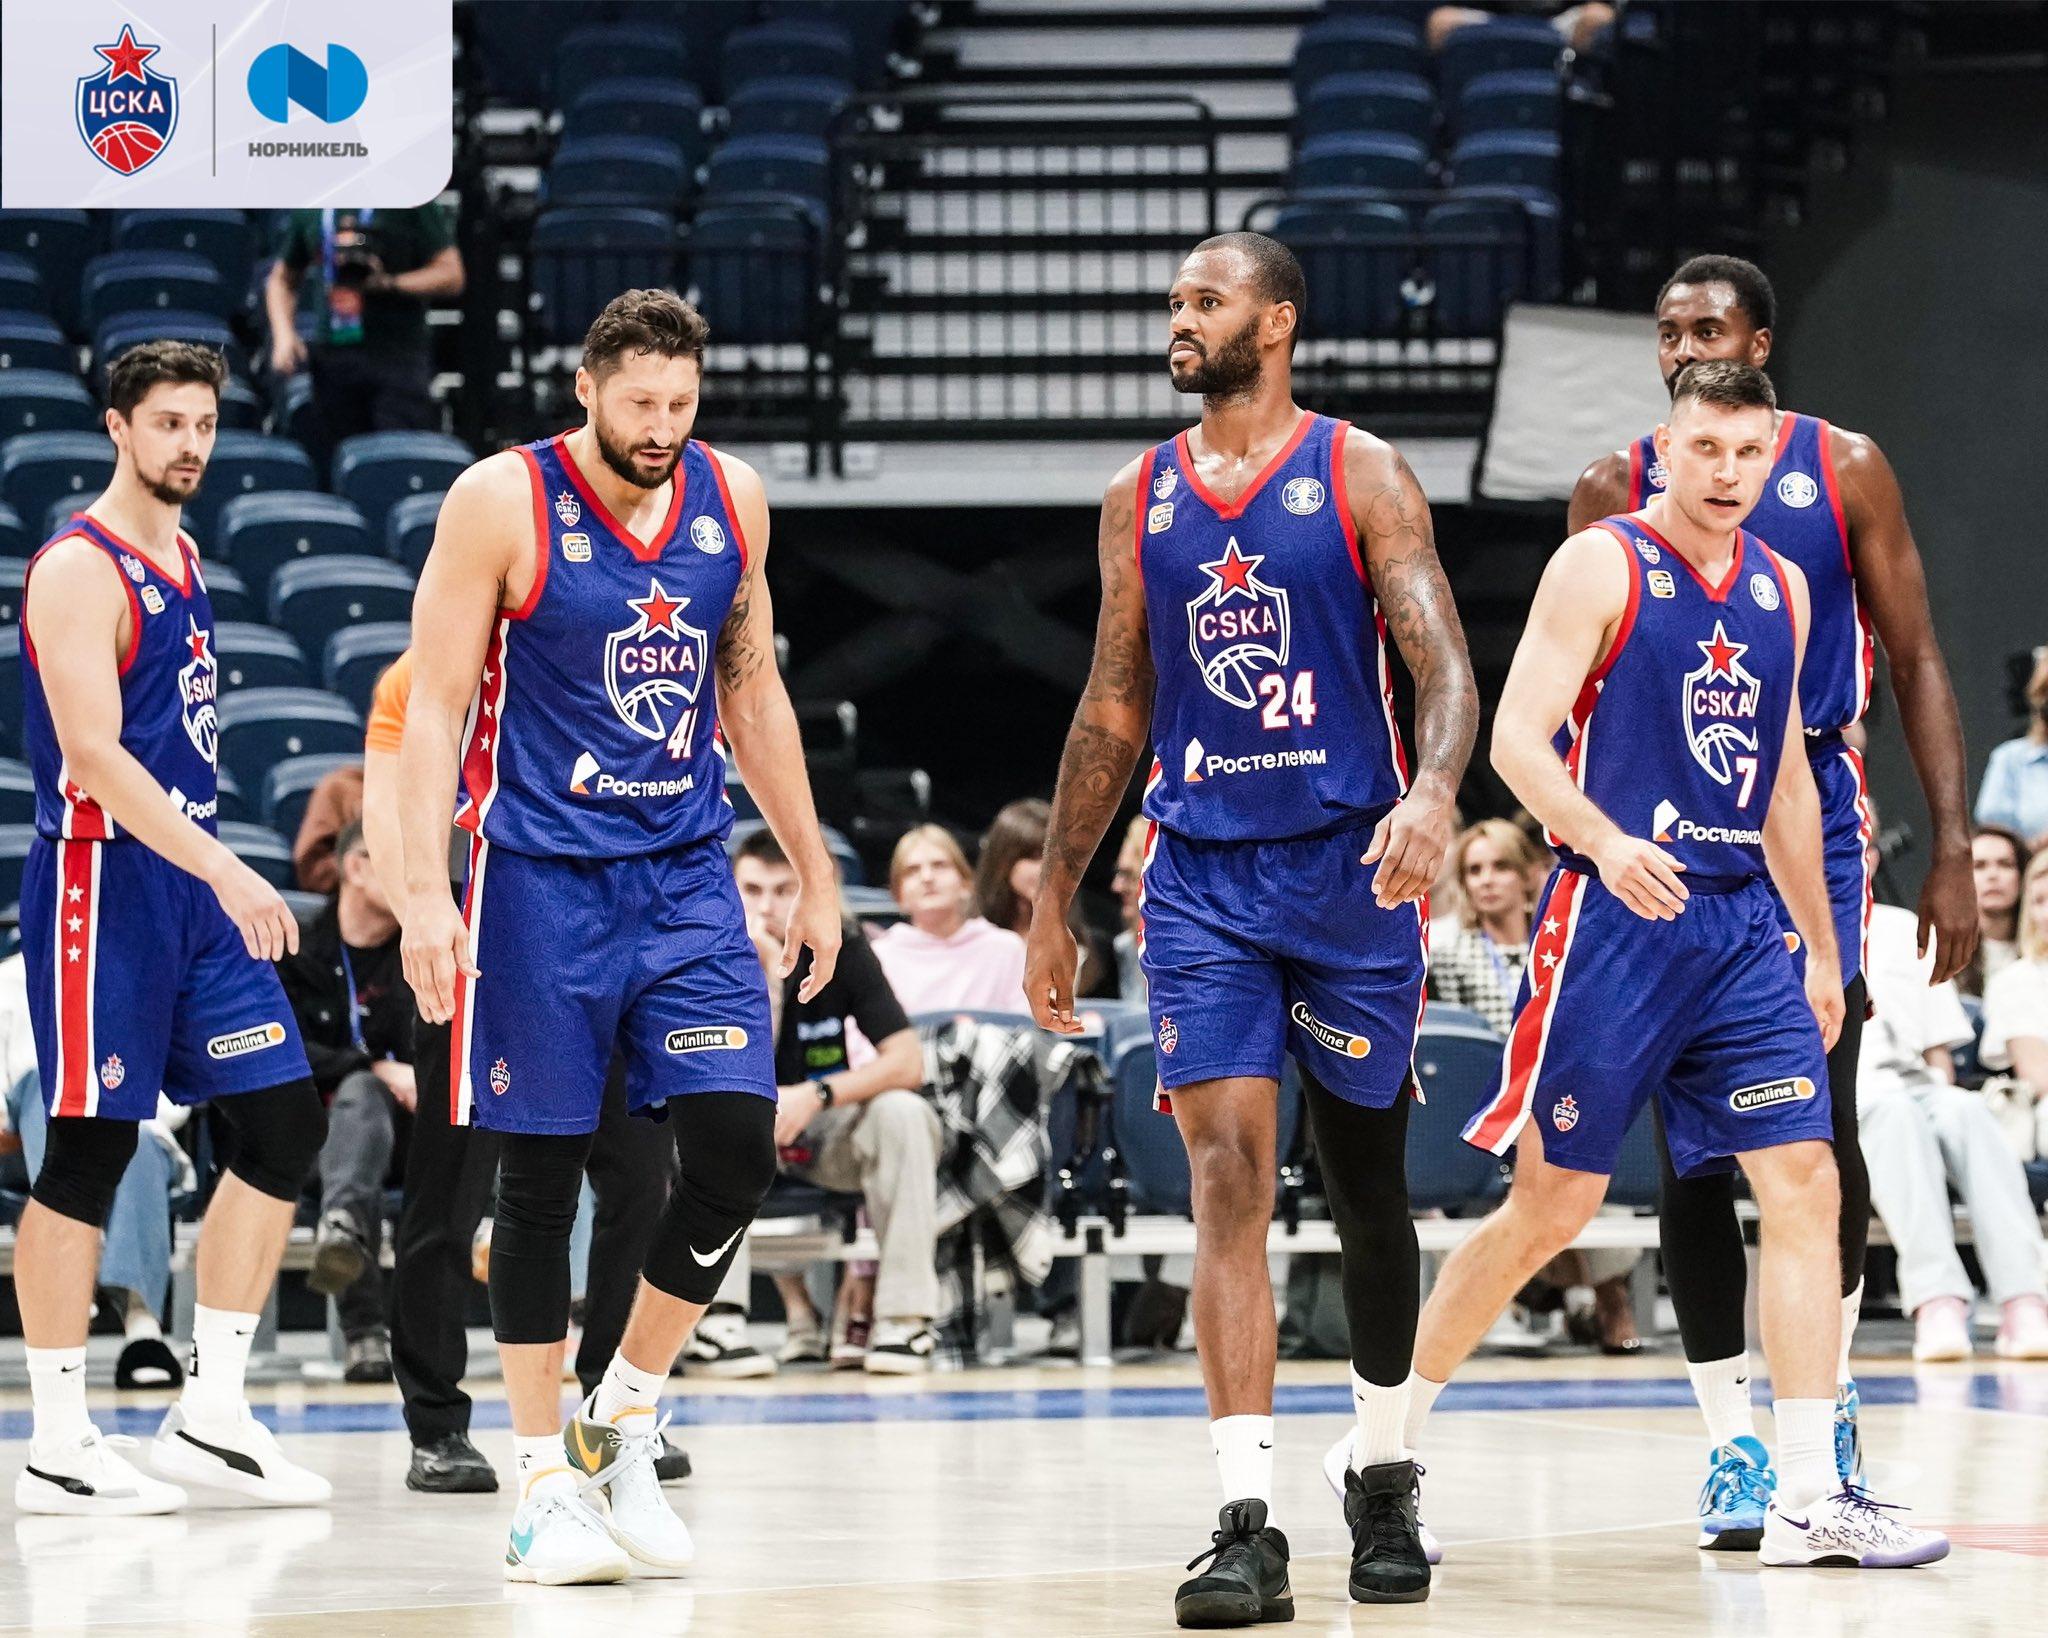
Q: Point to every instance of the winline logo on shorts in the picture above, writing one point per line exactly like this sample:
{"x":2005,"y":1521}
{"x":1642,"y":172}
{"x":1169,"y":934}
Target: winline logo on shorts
{"x":246,"y":1040}
{"x":1769,"y":1094}
{"x":1337,"y":1040}
{"x":707,"y":1038}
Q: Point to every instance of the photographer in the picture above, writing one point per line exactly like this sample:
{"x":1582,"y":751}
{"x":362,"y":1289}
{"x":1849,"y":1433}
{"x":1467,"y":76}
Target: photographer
{"x":372,"y":274}
{"x":2015,"y":789}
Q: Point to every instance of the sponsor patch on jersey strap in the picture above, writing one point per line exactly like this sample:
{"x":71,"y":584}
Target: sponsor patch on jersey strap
{"x":244,"y":1041}
{"x":1160,"y":517}
{"x":1661,"y":584}
{"x":1769,"y":1094}
{"x":576,"y":548}
{"x":707,"y":1038}
{"x":1337,"y":1040}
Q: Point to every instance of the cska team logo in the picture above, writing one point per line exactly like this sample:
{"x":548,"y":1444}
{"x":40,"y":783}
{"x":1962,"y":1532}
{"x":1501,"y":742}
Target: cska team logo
{"x":1237,"y":628}
{"x":568,"y":509}
{"x":1720,"y":708}
{"x":654,"y":668}
{"x":113,"y":1072}
{"x":198,"y":687}
{"x":500,"y":1078}
{"x":127,"y":111}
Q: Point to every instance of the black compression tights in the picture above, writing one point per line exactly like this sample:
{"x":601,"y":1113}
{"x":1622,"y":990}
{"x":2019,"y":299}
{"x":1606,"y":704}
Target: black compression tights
{"x":1702,"y":1241}
{"x":1363,"y":1156}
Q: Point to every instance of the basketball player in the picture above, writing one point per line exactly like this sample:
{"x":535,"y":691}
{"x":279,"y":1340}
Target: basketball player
{"x":1663,"y":650}
{"x":1832,"y":506}
{"x":148,"y":948}
{"x":1250,"y":570}
{"x":578,"y":593}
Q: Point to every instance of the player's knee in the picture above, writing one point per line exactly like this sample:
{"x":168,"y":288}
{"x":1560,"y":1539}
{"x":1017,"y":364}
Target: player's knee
{"x":1553,"y":1205}
{"x":278,"y":1135}
{"x":84,"y":1158}
{"x":1797,"y":1184}
{"x":1232,"y":1175}
{"x":726,"y":1143}
{"x":540,"y":1179}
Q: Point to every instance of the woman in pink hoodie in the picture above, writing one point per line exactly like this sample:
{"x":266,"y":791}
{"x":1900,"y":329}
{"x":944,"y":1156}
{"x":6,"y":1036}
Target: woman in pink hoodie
{"x":942,"y":955}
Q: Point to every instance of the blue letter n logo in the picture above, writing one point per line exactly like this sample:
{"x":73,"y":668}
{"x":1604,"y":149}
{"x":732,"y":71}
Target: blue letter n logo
{"x":284,"y":75}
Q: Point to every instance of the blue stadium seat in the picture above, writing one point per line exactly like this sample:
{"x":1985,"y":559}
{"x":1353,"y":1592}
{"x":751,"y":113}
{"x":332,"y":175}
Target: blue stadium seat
{"x":376,"y":470}
{"x":645,"y":172}
{"x":38,"y":469}
{"x":581,"y":256}
{"x":21,"y":287}
{"x":1154,"y":1156}
{"x":409,"y":529}
{"x":260,"y":727}
{"x":15,"y":841}
{"x":253,"y":656}
{"x":869,"y":26}
{"x":756,"y":266}
{"x":15,"y":540}
{"x":1521,"y":99}
{"x":133,"y":281}
{"x":17,"y":793}
{"x":792,"y":105}
{"x":62,"y":511}
{"x":795,"y":168}
{"x":240,"y":409}
{"x":1357,"y":252}
{"x":1455,"y":1062}
{"x":1357,"y":45}
{"x":10,"y":691}
{"x":1480,"y":254}
{"x":1638,"y":1171}
{"x":125,"y":330}
{"x":261,"y":849}
{"x":246,"y":463}
{"x":634,"y":106}
{"x":1498,"y":46}
{"x":318,"y":596}
{"x":781,"y":49}
{"x":1403,"y":104}
{"x":1368,"y":160}
{"x":29,"y":341}
{"x":1543,"y":228}
{"x":259,"y":532}
{"x":357,"y":656}
{"x":46,"y":401}
{"x":227,"y":591}
{"x":58,"y":243}
{"x":290,"y":785}
{"x":230,"y":804}
{"x":590,"y":54}
{"x":225,"y":238}
{"x":291,"y":407}
{"x":1969,"y":1066}
{"x":1515,"y":159}
{"x":13,"y":571}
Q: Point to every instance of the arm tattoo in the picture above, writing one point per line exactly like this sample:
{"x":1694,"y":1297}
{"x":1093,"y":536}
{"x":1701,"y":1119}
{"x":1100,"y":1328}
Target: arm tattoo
{"x":739,"y":656}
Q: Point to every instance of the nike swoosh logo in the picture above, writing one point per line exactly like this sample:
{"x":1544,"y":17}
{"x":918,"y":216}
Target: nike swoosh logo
{"x":66,"y":1370}
{"x":1265,"y":1444}
{"x":590,"y":1459}
{"x":522,"y":1541}
{"x":706,"y":1259}
{"x":1797,"y":1524}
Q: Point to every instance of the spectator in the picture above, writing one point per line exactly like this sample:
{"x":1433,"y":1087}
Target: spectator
{"x":337,"y":801}
{"x":1480,"y":964}
{"x":373,"y":274}
{"x":2015,"y":789}
{"x":1577,"y":26}
{"x":1006,"y":885}
{"x":943,"y":955}
{"x":1922,"y":1135}
{"x":1999,"y":861}
{"x":1129,"y":882}
{"x":2016,"y":998}
{"x":355,"y":1010}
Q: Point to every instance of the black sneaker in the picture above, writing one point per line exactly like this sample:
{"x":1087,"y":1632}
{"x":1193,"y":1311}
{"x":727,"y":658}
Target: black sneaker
{"x":339,"y":1255}
{"x":369,"y":1358}
{"x":451,"y":1465}
{"x":1388,"y":1565}
{"x":1247,"y":1582}
{"x":671,"y":1462}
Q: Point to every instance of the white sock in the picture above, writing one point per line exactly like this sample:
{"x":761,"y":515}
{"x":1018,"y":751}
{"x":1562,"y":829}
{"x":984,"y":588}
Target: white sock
{"x":1244,"y":1458}
{"x":220,"y":1362}
{"x":1852,"y":1311}
{"x":1421,"y":1396}
{"x":1722,"y":1388}
{"x":625,"y":1388}
{"x":1381,"y":1415}
{"x":138,"y":1321}
{"x":541,"y":1459}
{"x":56,"y":1383}
{"x":1806,"y":1451}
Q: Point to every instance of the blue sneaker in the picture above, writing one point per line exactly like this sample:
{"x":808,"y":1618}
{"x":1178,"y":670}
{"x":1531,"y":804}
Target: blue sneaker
{"x":1733,"y":1500}
{"x":1848,"y":1436}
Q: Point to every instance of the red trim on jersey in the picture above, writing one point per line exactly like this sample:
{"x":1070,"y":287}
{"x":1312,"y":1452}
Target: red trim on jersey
{"x":459,"y":1109}
{"x":1235,"y":509}
{"x":646,"y":551}
{"x":1340,"y":497}
{"x":1138,"y":510}
{"x":84,"y":819}
{"x":1635,"y":475}
{"x":1787,"y":425}
{"x":732,"y":514}
{"x":1386,"y":681}
{"x":78,"y":899}
{"x":1529,"y":1035}
{"x":1865,"y":825}
{"x":183,"y":577}
{"x":1717,"y":594}
{"x":1623,"y":627}
{"x":28,"y":646}
{"x":1827,"y":478}
{"x":542,"y":549}
{"x":486,"y":718}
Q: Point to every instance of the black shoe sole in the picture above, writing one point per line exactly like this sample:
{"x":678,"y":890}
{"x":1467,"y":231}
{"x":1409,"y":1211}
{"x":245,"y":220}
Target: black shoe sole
{"x":1228,"y":1609}
{"x":672,"y":1469}
{"x":1734,"y":1541}
{"x":336,"y":1266}
{"x":1383,"y":1595}
{"x":466,"y":1481}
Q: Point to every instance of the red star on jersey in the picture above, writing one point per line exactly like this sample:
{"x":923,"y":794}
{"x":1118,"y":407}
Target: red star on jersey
{"x":196,"y":640}
{"x":1722,"y":653}
{"x":657,"y":610}
{"x":125,"y":57}
{"x":1232,"y":572}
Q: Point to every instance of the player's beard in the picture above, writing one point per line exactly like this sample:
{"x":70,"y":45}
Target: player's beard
{"x":172,"y":488}
{"x":620,"y":459}
{"x":1232,"y":370}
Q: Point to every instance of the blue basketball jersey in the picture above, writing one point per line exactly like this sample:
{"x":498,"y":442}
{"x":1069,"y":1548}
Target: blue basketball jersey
{"x":1273,"y":714}
{"x":170,"y":683}
{"x":1800,"y":518}
{"x":1678,"y":733}
{"x":593,"y":733}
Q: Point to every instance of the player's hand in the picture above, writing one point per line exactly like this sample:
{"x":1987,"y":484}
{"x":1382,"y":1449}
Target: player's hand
{"x":1824,"y":995}
{"x":287,"y":353}
{"x":1409,"y":846}
{"x":434,"y":949}
{"x":814,"y":920}
{"x":1642,"y":875}
{"x":257,"y":909}
{"x":1948,"y":915}
{"x":399,"y":1081}
{"x":796,"y":1106}
{"x":1051,"y":958}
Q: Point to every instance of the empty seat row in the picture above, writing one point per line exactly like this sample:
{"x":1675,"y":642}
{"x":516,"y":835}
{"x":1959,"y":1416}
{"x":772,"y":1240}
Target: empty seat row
{"x":1384,"y":44}
{"x":1394,"y":163}
{"x":45,"y":255}
{"x":792,"y":47}
{"x":666,"y":110}
{"x":654,"y":173}
{"x":1406,"y":105}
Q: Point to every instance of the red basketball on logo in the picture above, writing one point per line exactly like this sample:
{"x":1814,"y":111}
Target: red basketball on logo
{"x":128,"y":147}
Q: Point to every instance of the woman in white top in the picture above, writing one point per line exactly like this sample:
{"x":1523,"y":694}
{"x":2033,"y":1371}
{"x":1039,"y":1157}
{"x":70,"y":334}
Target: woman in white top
{"x":2016,"y":998}
{"x":943,"y":955}
{"x":1998,"y":861}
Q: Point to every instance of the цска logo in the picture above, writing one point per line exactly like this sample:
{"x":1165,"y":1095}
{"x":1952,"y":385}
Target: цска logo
{"x":127,"y":111}
{"x":331,"y":92}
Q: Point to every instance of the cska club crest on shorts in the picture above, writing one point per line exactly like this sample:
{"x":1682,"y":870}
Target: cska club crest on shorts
{"x":126,"y":111}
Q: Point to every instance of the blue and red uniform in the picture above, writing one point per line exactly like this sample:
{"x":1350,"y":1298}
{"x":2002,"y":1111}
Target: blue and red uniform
{"x":137,"y":979}
{"x":1800,"y":518}
{"x":600,"y":904}
{"x":1677,"y":735}
{"x":1276,"y":755}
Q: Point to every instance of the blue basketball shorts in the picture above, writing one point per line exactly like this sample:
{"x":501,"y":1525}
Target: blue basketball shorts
{"x":1845,"y":831}
{"x":1705,"y":1011}
{"x":1257,"y":949}
{"x":138,"y":983}
{"x":648,"y":953}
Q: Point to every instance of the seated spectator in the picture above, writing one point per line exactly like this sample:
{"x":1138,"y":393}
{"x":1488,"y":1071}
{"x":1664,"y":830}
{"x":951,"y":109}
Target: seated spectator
{"x":944,"y":955}
{"x":1006,"y":886}
{"x":2016,"y":998}
{"x":1129,"y":882}
{"x":1577,"y":26}
{"x":336,"y":802}
{"x":2015,"y":789}
{"x":1998,"y":860}
{"x":1922,"y":1135}
{"x":355,"y":1010}
{"x":1480,"y":964}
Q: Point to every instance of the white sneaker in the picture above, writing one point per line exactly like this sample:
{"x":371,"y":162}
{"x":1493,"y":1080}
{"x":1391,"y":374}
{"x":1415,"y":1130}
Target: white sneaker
{"x":1337,"y":1462}
{"x":559,"y":1540}
{"x":719,"y":1347}
{"x":1941,"y":1330}
{"x":618,"y":1463}
{"x":2023,"y":1333}
{"x":241,"y":1456}
{"x":901,"y":1347}
{"x":1846,"y":1530}
{"x":90,"y":1479}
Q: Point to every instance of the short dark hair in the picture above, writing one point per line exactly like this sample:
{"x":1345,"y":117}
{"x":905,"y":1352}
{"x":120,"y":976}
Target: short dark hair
{"x":1722,"y":383}
{"x":152,"y":363}
{"x":644,"y":321}
{"x":1276,"y":274}
{"x":761,"y":846}
{"x":1753,"y":292}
